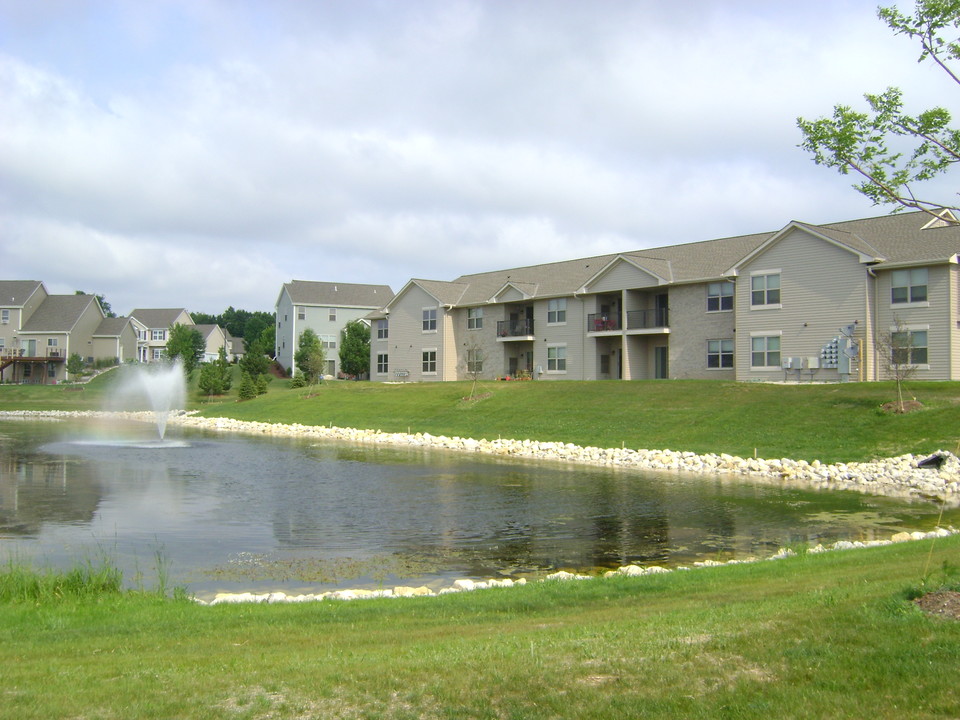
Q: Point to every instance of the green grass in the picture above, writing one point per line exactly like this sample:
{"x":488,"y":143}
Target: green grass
{"x":832,"y":423}
{"x":816,"y":636}
{"x":827,"y":422}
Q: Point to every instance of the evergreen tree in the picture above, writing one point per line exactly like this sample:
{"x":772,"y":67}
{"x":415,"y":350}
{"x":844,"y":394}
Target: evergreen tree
{"x":355,"y":348}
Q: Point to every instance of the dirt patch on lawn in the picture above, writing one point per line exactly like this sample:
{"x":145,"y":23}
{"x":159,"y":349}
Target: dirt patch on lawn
{"x":943,"y":603}
{"x":909,"y":406}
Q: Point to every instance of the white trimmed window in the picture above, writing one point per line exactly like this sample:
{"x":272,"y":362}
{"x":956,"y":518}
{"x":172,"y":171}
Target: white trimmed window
{"x":332,"y":315}
{"x":429,"y":319}
{"x":383,"y":330}
{"x":157,"y":353}
{"x":383,"y":364}
{"x":557,"y":358}
{"x":4,"y":316}
{"x":52,"y":342}
{"x":158,"y":334}
{"x":557,"y":311}
{"x":328,"y":342}
{"x":474,"y":318}
{"x":909,"y":347}
{"x":908,"y":286}
{"x":301,"y":313}
{"x":3,"y":343}
{"x":765,"y":351}
{"x":430,"y":362}
{"x":765,"y":289}
{"x":719,"y":354}
{"x":719,"y":297}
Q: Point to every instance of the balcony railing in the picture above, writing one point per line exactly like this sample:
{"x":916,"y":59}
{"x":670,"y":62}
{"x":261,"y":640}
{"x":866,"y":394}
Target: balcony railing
{"x":47,"y":352}
{"x":647,"y":319}
{"x":602,"y":322}
{"x":519,"y":328}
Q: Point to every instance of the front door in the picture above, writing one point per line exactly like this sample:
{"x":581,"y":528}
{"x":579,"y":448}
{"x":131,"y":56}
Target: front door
{"x":660,"y":369}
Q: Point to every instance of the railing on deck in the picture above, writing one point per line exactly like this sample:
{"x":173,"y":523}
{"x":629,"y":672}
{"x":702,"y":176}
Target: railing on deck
{"x":602,"y":322}
{"x":520,"y":328}
{"x":647,"y":319}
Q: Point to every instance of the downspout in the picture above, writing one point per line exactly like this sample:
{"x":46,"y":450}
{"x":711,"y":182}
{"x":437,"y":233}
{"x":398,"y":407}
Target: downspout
{"x":872,"y":321}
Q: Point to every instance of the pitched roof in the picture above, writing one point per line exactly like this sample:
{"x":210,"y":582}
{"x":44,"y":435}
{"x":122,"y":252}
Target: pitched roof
{"x":112,"y":327}
{"x":306,"y":292}
{"x":158,"y":317}
{"x":14,"y":293}
{"x":60,"y":313}
{"x":207,"y":330}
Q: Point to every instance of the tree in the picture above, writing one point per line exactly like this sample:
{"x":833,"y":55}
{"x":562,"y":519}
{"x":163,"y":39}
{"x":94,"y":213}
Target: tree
{"x":310,"y":357}
{"x":473,"y":363}
{"x":248,"y":387}
{"x":185,"y":342}
{"x":355,"y":348}
{"x":255,"y":361}
{"x":75,"y":365}
{"x":215,"y":376}
{"x":900,"y":354}
{"x":890,"y":150}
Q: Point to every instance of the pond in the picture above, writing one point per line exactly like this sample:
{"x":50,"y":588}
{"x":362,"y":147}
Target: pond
{"x":216,"y":513}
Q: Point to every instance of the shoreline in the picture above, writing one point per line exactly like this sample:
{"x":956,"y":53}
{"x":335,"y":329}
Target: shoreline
{"x":898,"y":477}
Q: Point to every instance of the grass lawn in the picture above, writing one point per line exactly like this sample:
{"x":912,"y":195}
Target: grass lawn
{"x":816,"y":636}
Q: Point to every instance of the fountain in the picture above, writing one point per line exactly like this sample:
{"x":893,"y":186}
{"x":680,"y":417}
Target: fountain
{"x":157,"y":387}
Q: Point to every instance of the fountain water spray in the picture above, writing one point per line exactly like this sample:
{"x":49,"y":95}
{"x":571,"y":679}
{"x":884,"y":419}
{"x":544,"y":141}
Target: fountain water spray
{"x":158,"y":387}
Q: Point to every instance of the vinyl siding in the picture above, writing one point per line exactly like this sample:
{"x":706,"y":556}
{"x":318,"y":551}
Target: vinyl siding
{"x":822,"y":288}
{"x":622,"y":275}
{"x":935,"y":316}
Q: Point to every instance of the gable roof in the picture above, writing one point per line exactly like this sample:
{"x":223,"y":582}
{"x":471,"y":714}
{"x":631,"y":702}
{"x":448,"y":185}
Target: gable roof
{"x":329,"y":294}
{"x":158,"y":317}
{"x":112,"y":327}
{"x":207,"y":330}
{"x":60,"y":313}
{"x":15,"y":293}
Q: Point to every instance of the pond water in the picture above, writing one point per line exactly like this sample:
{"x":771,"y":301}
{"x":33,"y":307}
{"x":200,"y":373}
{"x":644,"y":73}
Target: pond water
{"x":232,"y":513}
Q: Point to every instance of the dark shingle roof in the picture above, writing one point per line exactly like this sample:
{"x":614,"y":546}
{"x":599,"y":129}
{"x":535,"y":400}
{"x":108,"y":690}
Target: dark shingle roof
{"x":306,"y":292}
{"x":14,"y":293}
{"x":157,"y":317}
{"x":59,"y":313}
{"x":111,"y":327}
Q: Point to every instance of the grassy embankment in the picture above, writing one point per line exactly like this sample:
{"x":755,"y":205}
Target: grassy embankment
{"x":827,"y":422}
{"x":817,"y":636}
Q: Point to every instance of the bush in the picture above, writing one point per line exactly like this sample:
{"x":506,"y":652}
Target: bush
{"x":299,"y":380}
{"x":248,"y":388}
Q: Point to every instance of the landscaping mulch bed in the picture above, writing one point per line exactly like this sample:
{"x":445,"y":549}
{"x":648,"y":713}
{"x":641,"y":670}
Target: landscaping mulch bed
{"x":943,"y":603}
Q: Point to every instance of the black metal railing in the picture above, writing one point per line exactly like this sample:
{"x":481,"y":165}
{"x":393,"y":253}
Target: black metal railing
{"x":602,"y":322}
{"x":518,"y":328}
{"x":647,"y":319}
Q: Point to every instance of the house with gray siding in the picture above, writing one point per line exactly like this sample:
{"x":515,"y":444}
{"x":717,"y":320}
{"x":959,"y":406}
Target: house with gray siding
{"x":158,"y":322}
{"x":326,"y":308}
{"x":802,"y":303}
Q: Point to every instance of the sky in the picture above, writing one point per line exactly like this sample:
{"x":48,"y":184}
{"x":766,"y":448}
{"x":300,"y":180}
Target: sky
{"x":201,"y":153}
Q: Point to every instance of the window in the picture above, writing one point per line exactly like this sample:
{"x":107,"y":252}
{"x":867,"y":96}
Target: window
{"x":765,"y":351}
{"x":909,"y":347}
{"x":474,"y":318}
{"x":383,"y":363}
{"x":383,"y":330}
{"x":328,"y":342}
{"x":52,"y":342}
{"x":557,"y":310}
{"x":301,"y":313}
{"x":720,"y":353}
{"x":557,"y":358}
{"x":765,"y":289}
{"x":3,"y":343}
{"x":908,"y":286}
{"x":158,"y":334}
{"x":719,"y":297}
{"x":474,"y":360}
{"x":604,"y":364}
{"x":4,"y":316}
{"x":332,"y":314}
{"x":429,"y":319}
{"x":430,"y":361}
{"x":157,"y":353}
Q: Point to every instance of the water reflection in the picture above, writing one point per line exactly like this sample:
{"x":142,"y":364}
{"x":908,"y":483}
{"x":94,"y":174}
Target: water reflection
{"x":236,"y":512}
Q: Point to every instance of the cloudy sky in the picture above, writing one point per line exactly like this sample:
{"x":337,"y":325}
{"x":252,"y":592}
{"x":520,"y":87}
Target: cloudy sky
{"x":200,"y":153}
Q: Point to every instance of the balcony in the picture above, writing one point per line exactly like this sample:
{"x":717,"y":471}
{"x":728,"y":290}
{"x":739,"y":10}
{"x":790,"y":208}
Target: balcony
{"x":647,"y":319}
{"x":514,"y":330}
{"x":603,"y":322}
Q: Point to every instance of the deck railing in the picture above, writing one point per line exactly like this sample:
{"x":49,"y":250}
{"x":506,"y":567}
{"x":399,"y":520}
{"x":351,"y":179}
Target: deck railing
{"x":520,"y":328}
{"x":647,"y":319}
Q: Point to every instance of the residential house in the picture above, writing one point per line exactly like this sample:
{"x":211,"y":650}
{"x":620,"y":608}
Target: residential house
{"x":803,"y":303}
{"x":38,"y":331}
{"x":119,"y":338}
{"x":236,"y":347}
{"x":158,"y":322}
{"x":214,"y":338}
{"x":326,"y":308}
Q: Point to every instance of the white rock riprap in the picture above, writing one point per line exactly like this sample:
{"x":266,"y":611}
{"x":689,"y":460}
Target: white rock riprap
{"x":897,"y":476}
{"x":467,"y":585}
